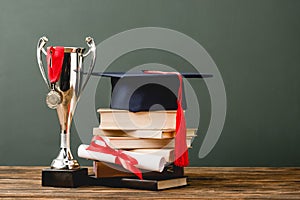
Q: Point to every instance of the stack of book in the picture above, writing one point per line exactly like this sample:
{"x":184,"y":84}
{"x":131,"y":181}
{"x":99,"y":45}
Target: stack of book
{"x":143,"y":132}
{"x":138,"y":131}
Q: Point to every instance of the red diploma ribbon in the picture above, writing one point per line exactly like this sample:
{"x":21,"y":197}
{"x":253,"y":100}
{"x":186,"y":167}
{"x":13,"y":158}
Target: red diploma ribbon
{"x":55,"y":58}
{"x":123,"y":159}
{"x":181,"y":150}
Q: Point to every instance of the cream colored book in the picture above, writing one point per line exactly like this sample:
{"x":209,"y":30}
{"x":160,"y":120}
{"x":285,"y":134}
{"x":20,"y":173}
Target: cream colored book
{"x":141,"y":133}
{"x":158,"y":134}
{"x":112,"y":119}
{"x":145,"y":143}
{"x":138,"y":143}
{"x":189,"y":141}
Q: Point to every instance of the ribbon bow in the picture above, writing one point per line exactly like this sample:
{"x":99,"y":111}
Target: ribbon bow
{"x":123,"y":159}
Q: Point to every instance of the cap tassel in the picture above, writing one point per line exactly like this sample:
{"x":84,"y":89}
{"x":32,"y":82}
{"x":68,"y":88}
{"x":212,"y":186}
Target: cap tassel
{"x":181,"y":151}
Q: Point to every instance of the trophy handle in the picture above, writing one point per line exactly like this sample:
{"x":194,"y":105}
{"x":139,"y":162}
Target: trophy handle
{"x":41,"y":43}
{"x":90,"y":42}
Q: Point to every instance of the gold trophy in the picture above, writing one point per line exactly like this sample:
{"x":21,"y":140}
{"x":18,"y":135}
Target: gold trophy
{"x":66,"y":81}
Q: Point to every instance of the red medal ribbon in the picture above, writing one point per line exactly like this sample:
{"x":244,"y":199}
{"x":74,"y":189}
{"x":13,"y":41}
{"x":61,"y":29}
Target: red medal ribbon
{"x":181,"y":150}
{"x":55,"y":58}
{"x":123,"y":159}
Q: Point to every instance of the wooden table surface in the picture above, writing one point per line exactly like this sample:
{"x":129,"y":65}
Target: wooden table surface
{"x":204,"y":183}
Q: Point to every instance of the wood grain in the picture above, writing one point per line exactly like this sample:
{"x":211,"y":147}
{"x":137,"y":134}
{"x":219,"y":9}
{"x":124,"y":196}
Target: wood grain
{"x":204,"y":183}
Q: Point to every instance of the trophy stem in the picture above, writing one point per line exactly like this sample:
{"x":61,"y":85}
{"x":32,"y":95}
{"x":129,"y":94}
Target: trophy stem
{"x":65,"y":140}
{"x":65,"y":159}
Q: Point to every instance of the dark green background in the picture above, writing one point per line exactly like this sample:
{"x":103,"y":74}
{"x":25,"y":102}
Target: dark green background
{"x":255,"y":44}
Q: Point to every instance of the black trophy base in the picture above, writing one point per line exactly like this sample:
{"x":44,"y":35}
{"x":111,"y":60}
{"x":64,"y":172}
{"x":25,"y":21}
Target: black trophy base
{"x":64,"y":178}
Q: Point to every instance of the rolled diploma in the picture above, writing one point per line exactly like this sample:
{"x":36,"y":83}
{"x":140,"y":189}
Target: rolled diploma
{"x":149,"y":162}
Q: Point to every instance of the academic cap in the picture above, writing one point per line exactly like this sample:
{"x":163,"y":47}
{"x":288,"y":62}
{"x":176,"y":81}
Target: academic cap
{"x":139,"y":91}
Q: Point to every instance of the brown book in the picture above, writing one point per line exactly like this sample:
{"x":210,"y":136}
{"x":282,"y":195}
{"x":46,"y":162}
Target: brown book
{"x":112,"y":119}
{"x":108,"y":170}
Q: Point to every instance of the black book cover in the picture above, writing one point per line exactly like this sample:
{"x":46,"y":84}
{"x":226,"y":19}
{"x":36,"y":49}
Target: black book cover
{"x":134,"y":183}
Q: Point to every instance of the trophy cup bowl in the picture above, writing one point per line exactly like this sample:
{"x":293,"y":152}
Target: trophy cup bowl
{"x":63,"y":96}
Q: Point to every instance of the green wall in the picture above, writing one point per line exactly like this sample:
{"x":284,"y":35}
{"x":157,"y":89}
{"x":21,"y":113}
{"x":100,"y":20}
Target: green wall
{"x":255,"y":44}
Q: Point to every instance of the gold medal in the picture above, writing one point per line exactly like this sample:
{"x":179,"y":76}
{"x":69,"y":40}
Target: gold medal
{"x":53,"y":99}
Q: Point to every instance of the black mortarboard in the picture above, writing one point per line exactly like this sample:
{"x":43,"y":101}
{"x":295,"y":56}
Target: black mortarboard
{"x":140,"y":91}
